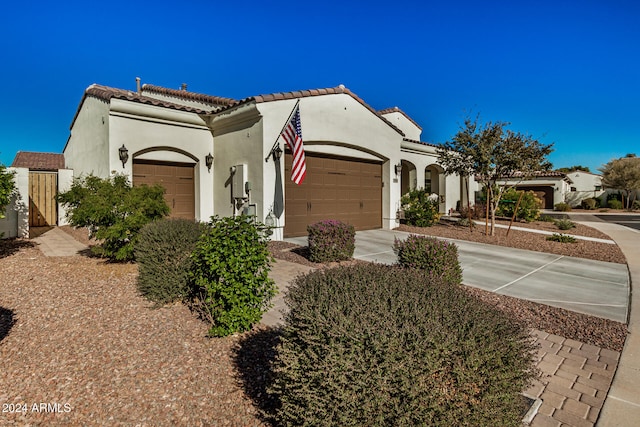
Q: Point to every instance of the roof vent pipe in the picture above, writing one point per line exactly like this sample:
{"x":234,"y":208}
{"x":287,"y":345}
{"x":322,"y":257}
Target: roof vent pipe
{"x":138,"y":85}
{"x":183,"y":87}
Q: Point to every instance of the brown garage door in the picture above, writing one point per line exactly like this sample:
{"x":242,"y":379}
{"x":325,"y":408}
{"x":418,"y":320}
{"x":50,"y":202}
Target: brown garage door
{"x":335,"y":188}
{"x":543,"y":192}
{"x":177,"y":180}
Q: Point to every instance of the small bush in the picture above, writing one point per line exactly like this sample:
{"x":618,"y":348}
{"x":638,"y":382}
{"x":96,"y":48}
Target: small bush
{"x":438,"y":257}
{"x":163,"y":253}
{"x":636,"y":205}
{"x":478,"y":211}
{"x":590,"y":204}
{"x":420,"y":208}
{"x":562,"y":238}
{"x":376,"y":345}
{"x":113,"y":211}
{"x":614,"y":204}
{"x":563,"y":207}
{"x":229,"y":278}
{"x":331,"y":241}
{"x":528,"y":210}
{"x":546,"y":218}
{"x":565,"y":224}
{"x":464,"y":222}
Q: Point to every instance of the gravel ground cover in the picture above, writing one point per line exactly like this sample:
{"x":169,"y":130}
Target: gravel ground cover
{"x":74,"y":334}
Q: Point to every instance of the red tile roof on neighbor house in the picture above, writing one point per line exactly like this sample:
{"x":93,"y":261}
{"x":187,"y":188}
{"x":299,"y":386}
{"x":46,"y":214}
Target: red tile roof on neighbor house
{"x":38,"y":161}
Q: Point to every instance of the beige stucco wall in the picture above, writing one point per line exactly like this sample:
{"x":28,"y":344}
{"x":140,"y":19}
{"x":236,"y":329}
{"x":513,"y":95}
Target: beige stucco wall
{"x":16,"y":221}
{"x":65,"y":179}
{"x":162,"y":134}
{"x":87,"y":148}
{"x":340,"y":125}
{"x":400,"y":121}
{"x":585,"y":184}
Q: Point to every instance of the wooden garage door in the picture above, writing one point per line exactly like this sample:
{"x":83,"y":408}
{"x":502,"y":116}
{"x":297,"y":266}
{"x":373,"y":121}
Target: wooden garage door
{"x":177,"y":180}
{"x":335,"y":188}
{"x":543,"y":192}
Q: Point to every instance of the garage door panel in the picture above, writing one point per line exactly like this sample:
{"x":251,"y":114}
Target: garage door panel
{"x":178,"y":181}
{"x":342,"y":189}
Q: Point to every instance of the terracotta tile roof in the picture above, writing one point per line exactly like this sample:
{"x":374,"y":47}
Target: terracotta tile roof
{"x":537,"y":174}
{"x":193,"y":96}
{"x":397,"y":110}
{"x":39,"y":161}
{"x":106,"y":93}
{"x":307,"y":93}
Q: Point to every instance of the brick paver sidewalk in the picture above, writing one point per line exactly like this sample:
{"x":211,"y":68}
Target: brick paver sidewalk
{"x":576,"y":379}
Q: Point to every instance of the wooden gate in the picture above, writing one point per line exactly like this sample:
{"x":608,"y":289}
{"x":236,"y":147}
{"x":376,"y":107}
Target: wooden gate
{"x":43,"y":209}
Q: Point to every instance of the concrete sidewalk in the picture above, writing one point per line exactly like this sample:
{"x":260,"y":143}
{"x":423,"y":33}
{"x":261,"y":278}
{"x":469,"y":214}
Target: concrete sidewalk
{"x":56,"y":242}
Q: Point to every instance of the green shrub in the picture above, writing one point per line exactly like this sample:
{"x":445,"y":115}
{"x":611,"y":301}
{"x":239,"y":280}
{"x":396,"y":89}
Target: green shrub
{"x":113,"y":211}
{"x":464,"y":222}
{"x":590,"y":204}
{"x":377,"y":345}
{"x":565,"y":224}
{"x":7,"y":188}
{"x":420,"y":209}
{"x":563,"y":207}
{"x":438,"y":257}
{"x":562,"y":238}
{"x":231,"y":288}
{"x":636,"y":205}
{"x":614,"y":204}
{"x":528,"y":210}
{"x":546,"y":218}
{"x":163,"y":253}
{"x":331,"y":240}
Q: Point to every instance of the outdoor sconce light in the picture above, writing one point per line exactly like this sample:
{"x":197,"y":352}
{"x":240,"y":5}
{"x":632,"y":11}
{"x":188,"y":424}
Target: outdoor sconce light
{"x":398,"y":168}
{"x":123,"y":153}
{"x":270,"y":220}
{"x":208,"y":160}
{"x":277,"y":153}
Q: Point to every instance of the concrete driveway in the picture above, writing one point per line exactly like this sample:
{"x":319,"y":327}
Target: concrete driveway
{"x":585,"y":286}
{"x":628,"y":220}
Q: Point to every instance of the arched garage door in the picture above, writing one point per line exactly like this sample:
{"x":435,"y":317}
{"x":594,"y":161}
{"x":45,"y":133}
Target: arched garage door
{"x":177,"y":180}
{"x":345,"y":189}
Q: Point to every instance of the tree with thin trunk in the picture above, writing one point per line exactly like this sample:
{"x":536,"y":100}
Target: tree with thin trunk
{"x":498,"y":158}
{"x":623,"y":174}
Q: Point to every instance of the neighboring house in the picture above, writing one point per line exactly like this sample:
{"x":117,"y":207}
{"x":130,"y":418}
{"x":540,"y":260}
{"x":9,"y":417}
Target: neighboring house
{"x":585,"y":185}
{"x":549,"y":186}
{"x":213,"y":155}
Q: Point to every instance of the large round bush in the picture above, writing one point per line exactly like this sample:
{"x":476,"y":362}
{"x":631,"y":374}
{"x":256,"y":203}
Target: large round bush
{"x":374,"y":345}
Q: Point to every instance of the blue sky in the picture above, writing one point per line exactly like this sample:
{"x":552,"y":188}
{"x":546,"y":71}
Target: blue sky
{"x":566,"y":72}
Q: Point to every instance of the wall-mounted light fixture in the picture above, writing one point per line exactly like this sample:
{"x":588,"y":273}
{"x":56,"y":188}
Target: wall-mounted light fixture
{"x":277,"y":153}
{"x":208,"y":160}
{"x":398,"y":168}
{"x":123,"y":153}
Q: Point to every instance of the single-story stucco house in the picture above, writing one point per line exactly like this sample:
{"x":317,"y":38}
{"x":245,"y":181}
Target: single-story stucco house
{"x":214,"y":155}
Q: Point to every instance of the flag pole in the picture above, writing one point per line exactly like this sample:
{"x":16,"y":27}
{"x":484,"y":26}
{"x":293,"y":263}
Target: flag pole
{"x":266,"y":159}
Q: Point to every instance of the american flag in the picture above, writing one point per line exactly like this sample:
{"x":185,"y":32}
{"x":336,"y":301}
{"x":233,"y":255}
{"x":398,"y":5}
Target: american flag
{"x":292,"y":134}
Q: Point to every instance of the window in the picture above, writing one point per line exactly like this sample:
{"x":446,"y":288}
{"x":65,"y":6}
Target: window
{"x":598,"y":187}
{"x":427,"y":181}
{"x":574,"y":189}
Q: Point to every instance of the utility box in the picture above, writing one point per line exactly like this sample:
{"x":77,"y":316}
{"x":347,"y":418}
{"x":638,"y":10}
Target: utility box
{"x":239,"y":181}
